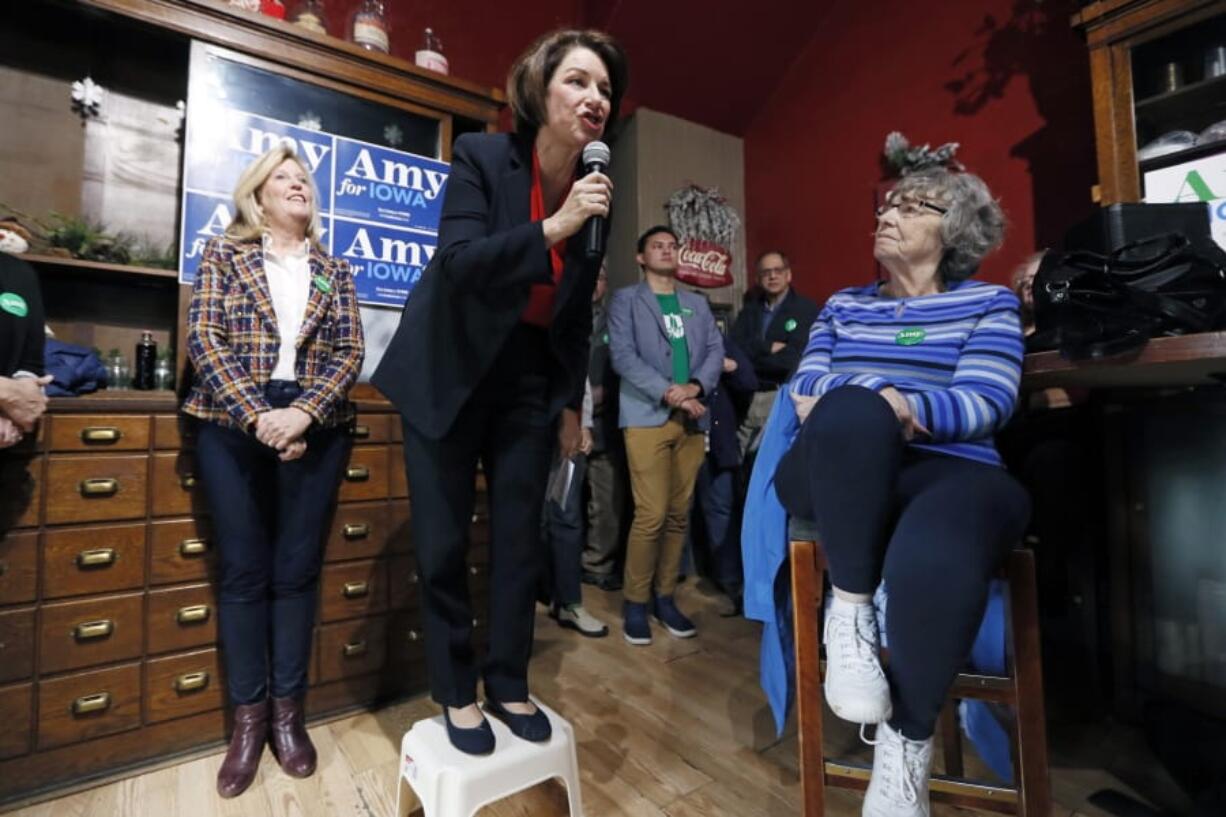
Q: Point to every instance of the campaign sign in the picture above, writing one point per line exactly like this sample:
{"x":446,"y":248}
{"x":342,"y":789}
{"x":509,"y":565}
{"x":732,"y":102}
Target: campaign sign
{"x":204,"y":216}
{"x":373,"y":183}
{"x":386,"y":261}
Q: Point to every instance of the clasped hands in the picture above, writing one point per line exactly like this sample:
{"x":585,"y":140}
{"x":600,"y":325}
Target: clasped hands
{"x":684,"y":396}
{"x":283,"y":429}
{"x":22,"y":402}
{"x":908,"y":424}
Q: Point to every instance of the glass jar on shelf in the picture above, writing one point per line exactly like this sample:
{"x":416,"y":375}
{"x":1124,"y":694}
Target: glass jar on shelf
{"x":369,"y":28}
{"x":118,"y":373}
{"x":309,"y":14}
{"x":431,"y":54}
{"x":164,"y":371}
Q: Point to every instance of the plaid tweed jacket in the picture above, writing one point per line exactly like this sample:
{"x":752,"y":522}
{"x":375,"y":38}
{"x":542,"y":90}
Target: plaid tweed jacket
{"x":232,"y":337}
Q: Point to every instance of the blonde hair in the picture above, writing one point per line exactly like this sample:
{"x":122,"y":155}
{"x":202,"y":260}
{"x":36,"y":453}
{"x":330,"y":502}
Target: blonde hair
{"x":248,"y":222}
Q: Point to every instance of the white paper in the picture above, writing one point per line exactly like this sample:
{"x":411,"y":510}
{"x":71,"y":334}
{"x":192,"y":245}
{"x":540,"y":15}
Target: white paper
{"x":558,"y":487}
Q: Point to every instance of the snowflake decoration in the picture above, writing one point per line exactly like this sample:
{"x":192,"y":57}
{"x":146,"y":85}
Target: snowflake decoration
{"x":87,"y":97}
{"x":310,"y":120}
{"x":393,"y":135}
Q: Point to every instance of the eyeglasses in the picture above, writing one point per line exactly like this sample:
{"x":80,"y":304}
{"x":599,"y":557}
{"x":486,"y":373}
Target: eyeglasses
{"x":910,"y":208}
{"x":770,"y":272}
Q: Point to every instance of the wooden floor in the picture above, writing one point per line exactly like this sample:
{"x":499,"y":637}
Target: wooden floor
{"x":679,"y":728}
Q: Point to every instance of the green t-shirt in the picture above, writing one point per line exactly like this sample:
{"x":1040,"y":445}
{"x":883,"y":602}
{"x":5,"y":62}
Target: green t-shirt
{"x":670,"y":305}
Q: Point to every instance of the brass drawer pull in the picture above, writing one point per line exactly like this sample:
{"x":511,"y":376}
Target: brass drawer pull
{"x":414,"y":635}
{"x":355,"y":590}
{"x":355,"y":648}
{"x":191,"y":681}
{"x":356,"y":530}
{"x":98,"y":557}
{"x":98,"y":702}
{"x":188,"y":481}
{"x":89,"y":630}
{"x":101,"y":434}
{"x":99,"y":486}
{"x":193,"y":547}
{"x":361,"y":432}
{"x":357,"y":473}
{"x":192,"y":615}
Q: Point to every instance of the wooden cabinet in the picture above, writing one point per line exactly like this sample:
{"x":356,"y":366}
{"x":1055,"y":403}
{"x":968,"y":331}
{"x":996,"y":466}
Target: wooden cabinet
{"x":1148,"y":78}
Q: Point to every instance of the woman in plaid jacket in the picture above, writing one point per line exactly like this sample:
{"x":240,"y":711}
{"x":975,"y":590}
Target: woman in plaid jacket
{"x":275,"y":338}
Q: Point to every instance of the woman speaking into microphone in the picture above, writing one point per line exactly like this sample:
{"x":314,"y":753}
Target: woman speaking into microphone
{"x":489,"y":361}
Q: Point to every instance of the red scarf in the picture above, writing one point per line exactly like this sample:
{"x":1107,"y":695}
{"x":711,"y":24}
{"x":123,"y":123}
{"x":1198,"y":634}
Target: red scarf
{"x":539,"y":311}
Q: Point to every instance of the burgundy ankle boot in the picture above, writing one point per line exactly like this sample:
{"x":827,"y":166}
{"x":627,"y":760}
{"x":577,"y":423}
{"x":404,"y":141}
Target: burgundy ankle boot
{"x":246,"y":745}
{"x":291,"y":745}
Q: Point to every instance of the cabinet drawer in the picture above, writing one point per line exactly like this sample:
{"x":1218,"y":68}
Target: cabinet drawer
{"x":21,"y":499}
{"x":18,"y":566}
{"x":352,"y":648}
{"x":87,"y":705}
{"x":397,"y":479}
{"x":16,"y":644}
{"x":182,"y":617}
{"x":16,"y":709}
{"x":358,"y":532}
{"x":92,"y":631}
{"x":174,"y":431}
{"x":406,"y":643}
{"x":371,"y":428}
{"x":184,"y":684}
{"x":403,"y":588}
{"x":352,"y":589}
{"x":182,"y":550}
{"x":365,"y":475}
{"x":77,"y":561}
{"x":400,"y":536}
{"x":96,"y":488}
{"x":99,"y":432}
{"x":175,"y":484}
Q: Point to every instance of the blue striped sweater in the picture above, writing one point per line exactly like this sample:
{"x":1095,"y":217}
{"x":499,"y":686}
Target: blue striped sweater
{"x":956,"y":356}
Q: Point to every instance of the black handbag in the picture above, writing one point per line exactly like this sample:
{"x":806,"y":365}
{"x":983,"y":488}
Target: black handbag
{"x":1090,"y":305}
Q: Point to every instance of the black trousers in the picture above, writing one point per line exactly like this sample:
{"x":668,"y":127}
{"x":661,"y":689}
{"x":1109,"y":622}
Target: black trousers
{"x":507,"y":426}
{"x":934,"y":527}
{"x":269,"y":519}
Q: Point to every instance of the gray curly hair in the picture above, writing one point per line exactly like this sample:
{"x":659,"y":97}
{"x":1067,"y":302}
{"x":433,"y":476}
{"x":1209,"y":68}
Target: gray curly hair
{"x":974,"y":224}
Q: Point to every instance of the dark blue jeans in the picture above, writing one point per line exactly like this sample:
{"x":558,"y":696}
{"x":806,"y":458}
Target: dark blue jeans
{"x":714,"y":498}
{"x":269,"y":519}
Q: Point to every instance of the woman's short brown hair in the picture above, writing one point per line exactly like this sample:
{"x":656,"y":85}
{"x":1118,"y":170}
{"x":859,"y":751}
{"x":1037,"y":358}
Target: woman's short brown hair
{"x":528,"y":82}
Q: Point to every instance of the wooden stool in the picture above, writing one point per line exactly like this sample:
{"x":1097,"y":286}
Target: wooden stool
{"x":1022,"y":689}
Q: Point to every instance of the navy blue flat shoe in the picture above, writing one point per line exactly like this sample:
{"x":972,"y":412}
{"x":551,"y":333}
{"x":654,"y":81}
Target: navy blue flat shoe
{"x":479,"y":740}
{"x":534,"y":727}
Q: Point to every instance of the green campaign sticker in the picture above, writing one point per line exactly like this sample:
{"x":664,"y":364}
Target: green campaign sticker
{"x":13,"y":304}
{"x":605,"y":338}
{"x":910,"y":337}
{"x":687,"y":312}
{"x":790,"y":325}
{"x":323,"y":284}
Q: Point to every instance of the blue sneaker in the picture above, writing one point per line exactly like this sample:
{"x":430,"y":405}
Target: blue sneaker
{"x":673,"y":619}
{"x":636,"y":626}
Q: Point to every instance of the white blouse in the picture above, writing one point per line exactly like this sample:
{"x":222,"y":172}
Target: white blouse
{"x":289,"y":284}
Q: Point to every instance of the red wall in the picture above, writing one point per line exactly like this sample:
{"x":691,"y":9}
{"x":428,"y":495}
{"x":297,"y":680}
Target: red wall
{"x":1007,"y":79}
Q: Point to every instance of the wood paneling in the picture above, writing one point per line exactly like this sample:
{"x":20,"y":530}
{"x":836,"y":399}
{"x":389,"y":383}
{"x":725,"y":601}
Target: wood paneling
{"x":352,"y":648}
{"x":359,"y":531}
{"x":96,"y":559}
{"x":182,"y":684}
{"x":92,"y":631}
{"x":352,"y":589}
{"x":16,"y":643}
{"x":18,"y":566}
{"x":173,"y":431}
{"x":181,"y":550}
{"x":88,"y":705}
{"x":175,"y":484}
{"x":99,"y":432}
{"x":16,"y":713}
{"x":96,"y":488}
{"x":397,"y":479}
{"x":182,"y":617}
{"x":365,"y":475}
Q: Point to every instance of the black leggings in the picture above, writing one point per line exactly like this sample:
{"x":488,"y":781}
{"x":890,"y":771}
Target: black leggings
{"x":934,"y":527}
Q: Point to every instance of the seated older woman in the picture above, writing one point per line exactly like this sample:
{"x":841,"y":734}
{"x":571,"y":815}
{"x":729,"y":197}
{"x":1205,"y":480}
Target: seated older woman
{"x":901,"y":388}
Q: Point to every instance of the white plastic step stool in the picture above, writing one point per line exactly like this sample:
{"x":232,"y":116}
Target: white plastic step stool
{"x":450,"y":783}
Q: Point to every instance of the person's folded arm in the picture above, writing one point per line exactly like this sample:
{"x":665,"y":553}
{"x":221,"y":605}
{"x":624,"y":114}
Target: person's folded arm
{"x":348,"y":351}
{"x":982,"y":395}
{"x":813,"y":377}
{"x":208,"y":344}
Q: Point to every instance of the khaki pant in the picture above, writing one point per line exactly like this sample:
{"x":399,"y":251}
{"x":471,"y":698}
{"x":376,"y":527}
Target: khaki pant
{"x":663,"y":464}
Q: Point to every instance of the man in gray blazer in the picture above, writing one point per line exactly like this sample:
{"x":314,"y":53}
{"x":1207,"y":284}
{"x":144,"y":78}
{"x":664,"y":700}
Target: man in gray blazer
{"x":665,"y":346}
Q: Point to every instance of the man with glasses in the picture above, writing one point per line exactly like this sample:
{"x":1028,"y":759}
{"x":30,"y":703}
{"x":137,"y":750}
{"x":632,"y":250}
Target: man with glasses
{"x":772,"y":329}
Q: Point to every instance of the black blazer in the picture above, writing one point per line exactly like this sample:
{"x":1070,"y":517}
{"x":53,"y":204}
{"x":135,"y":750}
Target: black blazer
{"x":789,"y":325}
{"x":476,"y":286}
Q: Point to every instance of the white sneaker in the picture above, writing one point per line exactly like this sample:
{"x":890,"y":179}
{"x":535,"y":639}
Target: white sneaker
{"x":577,"y":618}
{"x":901,"y":769}
{"x":856,"y":687}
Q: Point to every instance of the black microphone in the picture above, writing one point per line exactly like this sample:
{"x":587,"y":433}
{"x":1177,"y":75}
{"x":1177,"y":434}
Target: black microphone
{"x":595,"y":160}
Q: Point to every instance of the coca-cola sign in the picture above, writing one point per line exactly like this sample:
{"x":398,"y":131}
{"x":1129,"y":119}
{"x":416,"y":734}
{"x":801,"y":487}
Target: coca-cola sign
{"x":703,"y":263}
